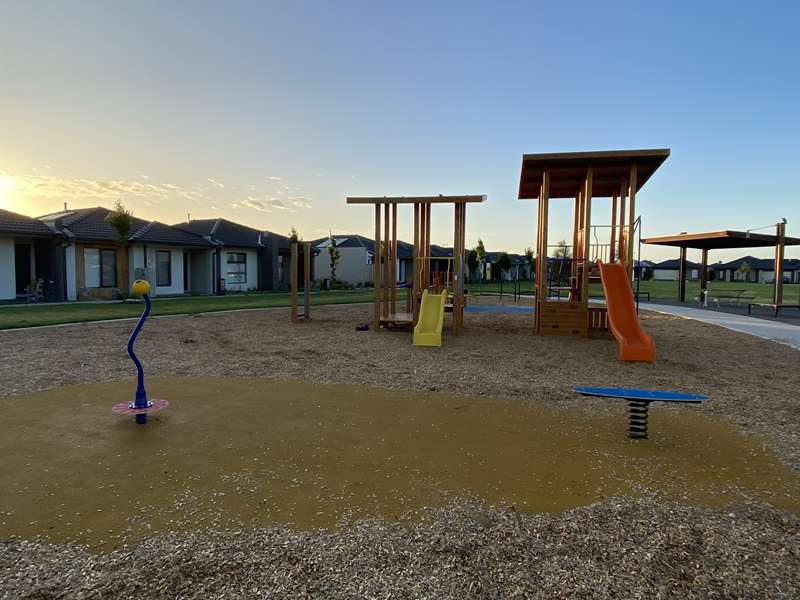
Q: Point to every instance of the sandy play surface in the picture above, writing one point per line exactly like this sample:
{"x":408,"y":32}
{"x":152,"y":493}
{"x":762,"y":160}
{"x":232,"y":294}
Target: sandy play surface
{"x":232,"y":452}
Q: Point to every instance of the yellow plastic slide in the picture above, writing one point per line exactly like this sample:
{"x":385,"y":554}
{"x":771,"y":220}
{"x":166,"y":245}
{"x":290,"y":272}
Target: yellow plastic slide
{"x":428,"y":331}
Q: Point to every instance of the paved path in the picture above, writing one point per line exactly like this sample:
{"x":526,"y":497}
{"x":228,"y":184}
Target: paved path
{"x":783,"y":333}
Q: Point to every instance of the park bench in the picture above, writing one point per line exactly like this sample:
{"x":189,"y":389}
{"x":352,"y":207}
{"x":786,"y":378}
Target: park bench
{"x":638,"y":402}
{"x":774,"y":307}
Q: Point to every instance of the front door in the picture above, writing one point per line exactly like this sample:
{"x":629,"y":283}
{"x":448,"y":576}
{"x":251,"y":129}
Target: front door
{"x":22,"y":265}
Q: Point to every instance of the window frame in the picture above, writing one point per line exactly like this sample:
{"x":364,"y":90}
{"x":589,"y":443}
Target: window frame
{"x":100,"y":253}
{"x":169,"y":268}
{"x":240,"y":277}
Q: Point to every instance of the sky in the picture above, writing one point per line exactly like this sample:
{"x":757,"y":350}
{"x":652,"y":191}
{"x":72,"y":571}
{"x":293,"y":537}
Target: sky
{"x":272,"y":113}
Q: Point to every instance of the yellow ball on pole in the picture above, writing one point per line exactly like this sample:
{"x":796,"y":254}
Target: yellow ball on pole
{"x":140,"y":287}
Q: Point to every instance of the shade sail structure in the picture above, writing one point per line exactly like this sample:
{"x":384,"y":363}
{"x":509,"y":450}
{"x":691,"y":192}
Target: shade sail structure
{"x":568,"y":169}
{"x":720,"y":240}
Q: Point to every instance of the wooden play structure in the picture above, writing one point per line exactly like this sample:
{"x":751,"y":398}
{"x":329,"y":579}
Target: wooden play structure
{"x":726,"y":240}
{"x":386,"y":311}
{"x":297,"y":317}
{"x":582,"y":177}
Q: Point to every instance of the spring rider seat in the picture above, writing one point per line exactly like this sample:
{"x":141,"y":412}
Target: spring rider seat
{"x":140,"y":405}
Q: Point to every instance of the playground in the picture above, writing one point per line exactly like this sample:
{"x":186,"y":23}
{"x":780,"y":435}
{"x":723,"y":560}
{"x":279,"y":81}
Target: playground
{"x":320,"y":425}
{"x":432,"y":415}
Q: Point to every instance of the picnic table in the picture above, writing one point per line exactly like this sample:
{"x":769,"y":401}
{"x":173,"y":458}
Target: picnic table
{"x":735,"y":296}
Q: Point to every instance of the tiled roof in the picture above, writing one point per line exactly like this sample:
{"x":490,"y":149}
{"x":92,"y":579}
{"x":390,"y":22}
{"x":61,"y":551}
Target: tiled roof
{"x":160,"y":233}
{"x":20,"y":224}
{"x":89,"y":224}
{"x":674,"y":263}
{"x":224,"y":232}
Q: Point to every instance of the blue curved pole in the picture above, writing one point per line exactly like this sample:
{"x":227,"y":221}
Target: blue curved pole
{"x":141,"y":395}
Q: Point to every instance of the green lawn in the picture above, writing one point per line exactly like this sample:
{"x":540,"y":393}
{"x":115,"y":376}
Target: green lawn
{"x":25,"y":315}
{"x":665,"y":290}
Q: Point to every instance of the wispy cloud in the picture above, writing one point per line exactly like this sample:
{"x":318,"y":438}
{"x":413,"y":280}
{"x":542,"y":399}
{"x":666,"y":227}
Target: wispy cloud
{"x":300,"y":201}
{"x":276,"y":203}
{"x":274,"y":178}
{"x":215,"y":183}
{"x":255,"y":204}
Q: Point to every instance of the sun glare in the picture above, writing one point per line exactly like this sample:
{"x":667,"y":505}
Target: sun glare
{"x":6,"y":187}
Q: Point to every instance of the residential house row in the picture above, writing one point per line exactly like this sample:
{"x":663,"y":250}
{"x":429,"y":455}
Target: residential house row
{"x":77,"y":255}
{"x":745,"y":269}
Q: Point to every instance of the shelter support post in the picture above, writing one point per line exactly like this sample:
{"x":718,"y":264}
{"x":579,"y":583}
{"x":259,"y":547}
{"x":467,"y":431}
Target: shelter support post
{"x":623,"y":232}
{"x":394,"y":265}
{"x":704,"y":276}
{"x":780,"y":242}
{"x":415,"y":282}
{"x":682,"y":276}
{"x":541,"y":250}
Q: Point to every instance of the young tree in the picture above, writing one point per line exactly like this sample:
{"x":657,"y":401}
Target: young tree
{"x":121,"y":220}
{"x":333,"y":255}
{"x":529,"y":260}
{"x":480,"y":253}
{"x":504,"y":264}
{"x":745,"y":270}
{"x":472,"y":264}
{"x":562,"y":254}
{"x":294,"y":237}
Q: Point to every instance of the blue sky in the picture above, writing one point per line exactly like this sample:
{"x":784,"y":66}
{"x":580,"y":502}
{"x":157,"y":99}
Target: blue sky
{"x":271,"y":113}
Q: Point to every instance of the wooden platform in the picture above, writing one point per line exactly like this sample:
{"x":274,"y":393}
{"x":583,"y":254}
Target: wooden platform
{"x":564,"y":318}
{"x":401,"y":319}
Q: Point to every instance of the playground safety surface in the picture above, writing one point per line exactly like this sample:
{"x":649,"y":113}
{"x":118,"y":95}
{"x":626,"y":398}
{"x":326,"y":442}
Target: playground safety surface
{"x":250,"y":452}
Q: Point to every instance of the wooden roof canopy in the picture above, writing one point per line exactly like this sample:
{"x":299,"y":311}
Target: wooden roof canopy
{"x":719,"y":240}
{"x":568,"y":169}
{"x":415,"y":199}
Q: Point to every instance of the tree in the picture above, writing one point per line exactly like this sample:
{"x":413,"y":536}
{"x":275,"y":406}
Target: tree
{"x":333,"y":256}
{"x":529,"y":260}
{"x":480,"y":253}
{"x":294,"y":237}
{"x":562,"y":254}
{"x":472,"y":263}
{"x":121,"y":221}
{"x":504,"y":264}
{"x":745,"y":270}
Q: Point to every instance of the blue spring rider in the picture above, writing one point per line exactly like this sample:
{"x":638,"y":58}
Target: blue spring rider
{"x":140,"y":405}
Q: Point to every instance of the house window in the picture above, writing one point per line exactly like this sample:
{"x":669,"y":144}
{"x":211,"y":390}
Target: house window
{"x":163,"y":268}
{"x":237,"y":267}
{"x":100,"y":268}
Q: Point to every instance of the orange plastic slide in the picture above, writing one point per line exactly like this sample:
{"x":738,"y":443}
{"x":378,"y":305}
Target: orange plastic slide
{"x":634,"y":344}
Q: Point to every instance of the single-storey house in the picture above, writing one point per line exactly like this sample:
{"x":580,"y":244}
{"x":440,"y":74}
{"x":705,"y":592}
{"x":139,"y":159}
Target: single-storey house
{"x":756,"y":270}
{"x":98,"y":265}
{"x":667,"y":270}
{"x":28,"y":253}
{"x":245,"y":259}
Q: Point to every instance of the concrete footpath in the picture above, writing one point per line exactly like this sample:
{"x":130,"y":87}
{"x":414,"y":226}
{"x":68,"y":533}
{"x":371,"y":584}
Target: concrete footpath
{"x":783,"y":333}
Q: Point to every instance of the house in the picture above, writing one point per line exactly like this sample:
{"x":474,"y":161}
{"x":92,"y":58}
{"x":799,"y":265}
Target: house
{"x":97,"y":265}
{"x":520,"y":268}
{"x":756,"y":270}
{"x":245,"y":259}
{"x":667,"y":270}
{"x":356,"y":255}
{"x":28,"y":253}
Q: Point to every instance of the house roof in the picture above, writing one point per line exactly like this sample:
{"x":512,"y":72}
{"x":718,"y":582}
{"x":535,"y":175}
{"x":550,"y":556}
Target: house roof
{"x":674,"y":263}
{"x":89,"y":224}
{"x":224,"y":232}
{"x":761,"y":264}
{"x":714,"y":240}
{"x":11,"y":222}
{"x":568,"y":169}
